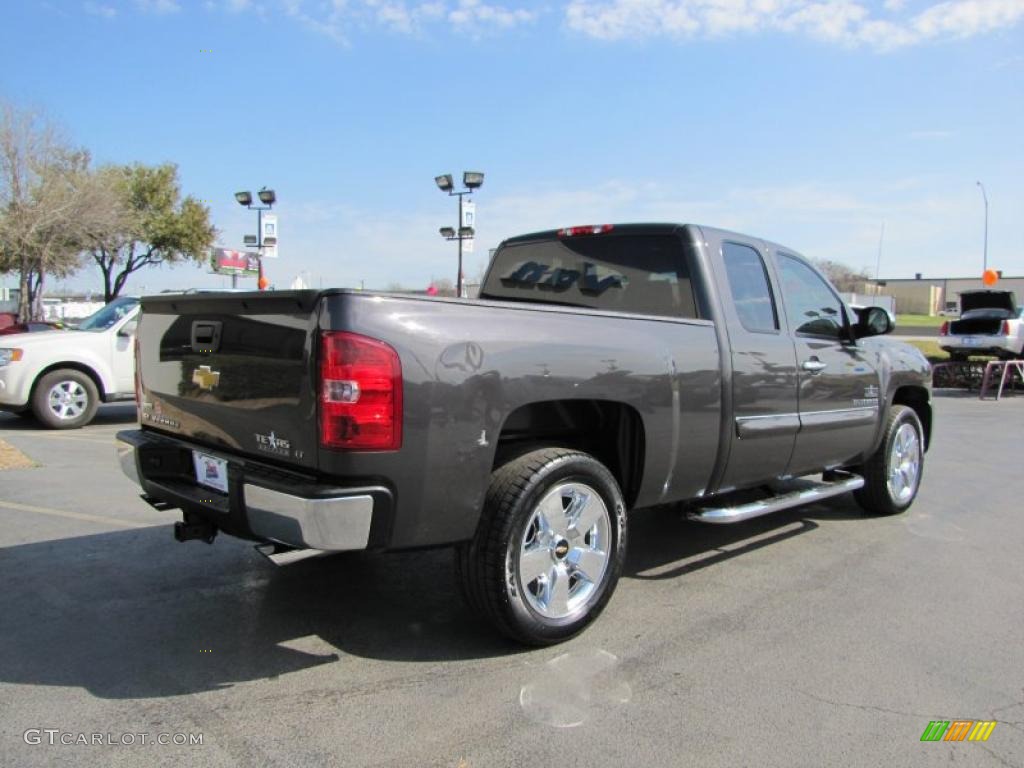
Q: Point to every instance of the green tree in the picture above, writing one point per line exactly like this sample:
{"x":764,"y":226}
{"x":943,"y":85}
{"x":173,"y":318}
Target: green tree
{"x":156,"y":225}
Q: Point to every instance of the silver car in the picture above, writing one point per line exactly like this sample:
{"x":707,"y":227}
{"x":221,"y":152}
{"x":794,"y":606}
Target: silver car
{"x":990,"y":324}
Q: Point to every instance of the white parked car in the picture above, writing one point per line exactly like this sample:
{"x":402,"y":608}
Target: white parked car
{"x":61,"y":377}
{"x":990,"y":323}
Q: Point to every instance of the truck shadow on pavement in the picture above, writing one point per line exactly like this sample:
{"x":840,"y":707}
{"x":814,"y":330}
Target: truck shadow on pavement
{"x":132,"y":614}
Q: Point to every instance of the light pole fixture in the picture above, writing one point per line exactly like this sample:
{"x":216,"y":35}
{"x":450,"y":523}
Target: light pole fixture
{"x":472,"y":181}
{"x":984,"y":258}
{"x":268,"y":197}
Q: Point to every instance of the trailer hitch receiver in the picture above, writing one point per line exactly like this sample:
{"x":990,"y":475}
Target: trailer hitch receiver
{"x":191,"y":528}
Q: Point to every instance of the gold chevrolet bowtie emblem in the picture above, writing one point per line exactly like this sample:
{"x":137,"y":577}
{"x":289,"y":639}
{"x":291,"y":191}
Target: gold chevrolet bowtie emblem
{"x":204,"y":378}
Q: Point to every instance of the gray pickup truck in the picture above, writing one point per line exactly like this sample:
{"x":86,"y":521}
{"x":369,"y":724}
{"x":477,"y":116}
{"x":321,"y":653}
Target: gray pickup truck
{"x":602,"y":369}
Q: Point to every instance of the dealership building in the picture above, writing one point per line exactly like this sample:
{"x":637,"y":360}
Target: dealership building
{"x":929,"y":295}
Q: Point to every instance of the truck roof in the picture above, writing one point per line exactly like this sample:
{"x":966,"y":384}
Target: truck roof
{"x":649,"y":228}
{"x":550,"y":234}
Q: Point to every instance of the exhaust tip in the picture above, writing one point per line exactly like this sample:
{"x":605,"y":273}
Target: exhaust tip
{"x":279,"y":554}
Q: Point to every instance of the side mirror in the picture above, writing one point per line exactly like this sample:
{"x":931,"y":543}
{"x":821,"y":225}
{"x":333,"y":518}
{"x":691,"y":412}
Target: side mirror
{"x":128,"y":329}
{"x":872,"y":321}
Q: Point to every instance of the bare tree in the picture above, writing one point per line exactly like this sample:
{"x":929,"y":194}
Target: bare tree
{"x":49,"y":204}
{"x":844,"y":278}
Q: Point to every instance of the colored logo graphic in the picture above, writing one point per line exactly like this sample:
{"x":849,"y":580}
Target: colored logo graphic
{"x":204,"y":378}
{"x":958,"y":730}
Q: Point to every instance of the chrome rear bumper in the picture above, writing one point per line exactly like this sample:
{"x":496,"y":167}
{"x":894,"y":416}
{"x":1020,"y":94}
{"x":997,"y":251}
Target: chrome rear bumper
{"x":304,"y":516}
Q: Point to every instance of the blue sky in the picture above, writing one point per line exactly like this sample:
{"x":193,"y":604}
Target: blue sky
{"x":809,"y":122}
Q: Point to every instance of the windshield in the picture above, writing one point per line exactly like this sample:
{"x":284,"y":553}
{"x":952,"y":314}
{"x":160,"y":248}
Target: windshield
{"x":109,"y":315}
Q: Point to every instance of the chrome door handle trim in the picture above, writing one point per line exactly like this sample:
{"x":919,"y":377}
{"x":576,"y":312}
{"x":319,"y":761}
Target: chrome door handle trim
{"x":814,"y":365}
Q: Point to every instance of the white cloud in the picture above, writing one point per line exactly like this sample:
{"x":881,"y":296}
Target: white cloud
{"x":846,"y":22}
{"x":475,"y":15}
{"x":158,"y":6}
{"x":98,"y":9}
{"x":338,"y":19}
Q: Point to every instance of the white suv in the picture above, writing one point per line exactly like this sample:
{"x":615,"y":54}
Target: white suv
{"x":61,"y":377}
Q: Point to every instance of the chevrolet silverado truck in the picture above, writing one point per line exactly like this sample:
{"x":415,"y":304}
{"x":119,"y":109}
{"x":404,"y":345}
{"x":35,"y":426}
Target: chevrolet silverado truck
{"x":62,"y":376}
{"x":990,"y":323}
{"x":602,"y":369}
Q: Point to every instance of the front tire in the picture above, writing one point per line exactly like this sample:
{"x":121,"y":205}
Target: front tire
{"x":892,"y":476}
{"x":549,"y":548}
{"x":65,"y":399}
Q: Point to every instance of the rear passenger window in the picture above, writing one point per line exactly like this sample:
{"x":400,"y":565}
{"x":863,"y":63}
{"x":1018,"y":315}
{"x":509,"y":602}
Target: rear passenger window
{"x":751,"y":291}
{"x":642,"y":274}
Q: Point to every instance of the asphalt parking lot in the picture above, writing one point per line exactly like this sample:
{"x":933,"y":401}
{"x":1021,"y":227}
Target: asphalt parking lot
{"x":816,"y":637}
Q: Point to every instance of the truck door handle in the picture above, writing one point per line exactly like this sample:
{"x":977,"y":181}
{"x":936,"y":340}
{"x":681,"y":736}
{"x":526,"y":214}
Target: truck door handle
{"x":814,"y":365}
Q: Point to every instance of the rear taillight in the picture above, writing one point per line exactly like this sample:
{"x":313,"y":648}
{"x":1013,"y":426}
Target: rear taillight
{"x":1005,"y":329}
{"x":138,"y":374}
{"x":588,"y":229}
{"x":360,"y":393}
{"x":944,"y":328}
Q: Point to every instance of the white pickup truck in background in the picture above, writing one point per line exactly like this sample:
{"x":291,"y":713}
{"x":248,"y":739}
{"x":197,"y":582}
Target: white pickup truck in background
{"x":61,"y":377}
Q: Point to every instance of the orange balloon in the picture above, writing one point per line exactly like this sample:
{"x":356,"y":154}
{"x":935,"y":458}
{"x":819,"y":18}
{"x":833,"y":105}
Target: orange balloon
{"x":991,"y":277}
{"x":263,"y":283}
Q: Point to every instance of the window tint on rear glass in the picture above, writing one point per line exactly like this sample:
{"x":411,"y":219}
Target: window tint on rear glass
{"x":642,"y":274}
{"x":751,"y":291}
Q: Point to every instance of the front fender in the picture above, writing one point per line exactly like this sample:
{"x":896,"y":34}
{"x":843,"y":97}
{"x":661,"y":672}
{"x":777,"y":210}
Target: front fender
{"x":82,"y":359}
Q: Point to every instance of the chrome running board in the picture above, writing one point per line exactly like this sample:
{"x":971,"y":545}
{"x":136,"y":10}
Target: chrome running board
{"x":791,"y":493}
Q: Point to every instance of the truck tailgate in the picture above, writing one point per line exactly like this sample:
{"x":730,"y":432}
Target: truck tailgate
{"x":232,"y":370}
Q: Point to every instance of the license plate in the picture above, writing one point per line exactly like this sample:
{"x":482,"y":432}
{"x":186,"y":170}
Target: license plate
{"x":211,"y":471}
{"x":969,"y":341}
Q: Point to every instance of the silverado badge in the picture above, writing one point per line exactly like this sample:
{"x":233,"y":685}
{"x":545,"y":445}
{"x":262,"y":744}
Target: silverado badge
{"x":204,"y":378}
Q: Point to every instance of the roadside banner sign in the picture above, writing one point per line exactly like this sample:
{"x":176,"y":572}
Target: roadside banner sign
{"x":269,"y":239}
{"x":225,"y":261}
{"x":468,"y":220}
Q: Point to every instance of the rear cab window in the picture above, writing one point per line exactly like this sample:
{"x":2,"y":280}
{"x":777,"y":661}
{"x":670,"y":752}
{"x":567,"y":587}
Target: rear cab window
{"x":750,"y":288}
{"x":636,"y":273}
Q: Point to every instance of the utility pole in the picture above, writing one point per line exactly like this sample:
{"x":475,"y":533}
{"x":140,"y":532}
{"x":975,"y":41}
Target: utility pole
{"x":878,"y":263}
{"x":984,"y":258}
{"x":472,"y":181}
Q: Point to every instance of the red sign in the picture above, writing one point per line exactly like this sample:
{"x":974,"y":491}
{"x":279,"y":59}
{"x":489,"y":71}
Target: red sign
{"x":227,"y":262}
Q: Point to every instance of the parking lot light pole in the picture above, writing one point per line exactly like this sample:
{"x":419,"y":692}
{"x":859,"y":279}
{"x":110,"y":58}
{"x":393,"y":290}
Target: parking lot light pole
{"x":984,"y":262}
{"x":472,"y":181}
{"x":268,"y":198}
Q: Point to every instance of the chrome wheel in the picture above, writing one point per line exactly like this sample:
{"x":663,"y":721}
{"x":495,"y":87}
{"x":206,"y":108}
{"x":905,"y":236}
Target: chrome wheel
{"x":67,"y":400}
{"x":565,"y":550}
{"x":904,"y":464}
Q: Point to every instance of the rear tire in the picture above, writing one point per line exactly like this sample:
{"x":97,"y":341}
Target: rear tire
{"x":549,"y":548}
{"x":892,"y":476}
{"x":65,"y":399}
